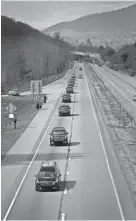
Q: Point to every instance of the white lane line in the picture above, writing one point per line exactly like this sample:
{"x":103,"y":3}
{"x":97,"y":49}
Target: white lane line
{"x":67,"y":173}
{"x":65,"y":191}
{"x":63,"y":216}
{"x":107,"y":162}
{"x":22,"y":181}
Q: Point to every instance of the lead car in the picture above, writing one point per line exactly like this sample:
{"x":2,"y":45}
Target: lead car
{"x":48,"y":177}
{"x":59,"y":135}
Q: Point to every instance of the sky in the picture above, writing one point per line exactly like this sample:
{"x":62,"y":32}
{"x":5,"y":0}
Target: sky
{"x":43,"y":14}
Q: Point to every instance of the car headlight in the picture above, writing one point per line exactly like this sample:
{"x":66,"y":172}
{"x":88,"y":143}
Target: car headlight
{"x":55,"y":183}
{"x":37,"y":181}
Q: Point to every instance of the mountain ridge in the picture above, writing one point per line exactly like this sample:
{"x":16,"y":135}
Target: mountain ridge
{"x":119,"y":22}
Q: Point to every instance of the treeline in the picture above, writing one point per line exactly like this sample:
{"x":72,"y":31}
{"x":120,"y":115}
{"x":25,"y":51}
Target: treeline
{"x":123,"y":58}
{"x":27,"y":53}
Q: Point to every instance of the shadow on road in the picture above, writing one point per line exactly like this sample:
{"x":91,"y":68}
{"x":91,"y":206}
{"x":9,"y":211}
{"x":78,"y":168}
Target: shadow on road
{"x":25,"y":159}
{"x":63,"y":185}
{"x":74,"y":115}
{"x":72,"y":144}
{"x":74,"y":102}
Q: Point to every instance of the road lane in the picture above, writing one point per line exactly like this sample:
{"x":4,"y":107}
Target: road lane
{"x":32,"y":205}
{"x":124,"y":88}
{"x":93,"y":196}
{"x":16,"y":162}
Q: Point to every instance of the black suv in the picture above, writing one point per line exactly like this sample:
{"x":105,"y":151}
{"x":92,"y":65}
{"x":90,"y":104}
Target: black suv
{"x":66,"y":98}
{"x":48,"y":177}
{"x":64,"y":110}
{"x":58,"y":135}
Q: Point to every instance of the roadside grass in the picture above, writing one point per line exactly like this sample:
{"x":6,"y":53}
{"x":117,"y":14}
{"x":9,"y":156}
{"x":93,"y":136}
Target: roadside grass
{"x":26,"y":110}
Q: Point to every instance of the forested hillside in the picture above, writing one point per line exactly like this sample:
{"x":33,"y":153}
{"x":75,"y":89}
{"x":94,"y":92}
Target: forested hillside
{"x":27,"y":53}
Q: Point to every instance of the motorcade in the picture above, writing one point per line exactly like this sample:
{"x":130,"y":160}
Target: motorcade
{"x":66,"y":98}
{"x":59,"y":135}
{"x":48,"y":177}
{"x":64,"y":110}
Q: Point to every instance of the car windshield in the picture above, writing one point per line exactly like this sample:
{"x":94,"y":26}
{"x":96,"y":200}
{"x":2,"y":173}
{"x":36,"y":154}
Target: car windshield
{"x":47,"y":175}
{"x":64,"y":107}
{"x":59,"y":132}
{"x":47,"y":169}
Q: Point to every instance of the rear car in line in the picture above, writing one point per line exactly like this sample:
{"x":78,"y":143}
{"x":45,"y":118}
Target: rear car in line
{"x":48,"y":177}
{"x":59,"y":135}
{"x":64,"y":110}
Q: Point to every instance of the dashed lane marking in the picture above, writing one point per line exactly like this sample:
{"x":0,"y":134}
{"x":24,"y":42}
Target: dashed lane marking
{"x":63,"y":216}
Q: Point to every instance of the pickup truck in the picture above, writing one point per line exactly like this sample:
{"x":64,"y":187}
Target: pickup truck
{"x":58,"y":135}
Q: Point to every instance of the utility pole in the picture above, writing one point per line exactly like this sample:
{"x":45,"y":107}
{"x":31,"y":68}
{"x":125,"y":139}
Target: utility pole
{"x":32,"y":63}
{"x":41,"y":67}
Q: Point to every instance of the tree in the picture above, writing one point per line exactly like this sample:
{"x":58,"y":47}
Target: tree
{"x":88,"y":42}
{"x":57,"y":36}
{"x":124,"y":56}
{"x":135,"y":44}
{"x":110,"y":52}
{"x":20,"y":60}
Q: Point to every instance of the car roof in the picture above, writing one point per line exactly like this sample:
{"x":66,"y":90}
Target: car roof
{"x":59,"y":128}
{"x":48,"y":164}
{"x":64,"y":105}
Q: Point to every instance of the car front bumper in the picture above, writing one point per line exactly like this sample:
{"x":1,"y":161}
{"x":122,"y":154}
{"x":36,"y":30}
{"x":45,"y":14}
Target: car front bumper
{"x":46,"y":187}
{"x":63,"y":114}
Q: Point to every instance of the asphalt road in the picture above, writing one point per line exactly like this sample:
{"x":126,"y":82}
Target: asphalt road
{"x":87,"y":192}
{"x":121,"y":86}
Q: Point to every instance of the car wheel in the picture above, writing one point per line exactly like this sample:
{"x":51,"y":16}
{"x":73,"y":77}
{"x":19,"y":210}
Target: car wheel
{"x":36,"y":189}
{"x":58,"y":187}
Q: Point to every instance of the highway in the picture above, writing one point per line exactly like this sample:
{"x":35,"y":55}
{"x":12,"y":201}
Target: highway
{"x":89,"y":190}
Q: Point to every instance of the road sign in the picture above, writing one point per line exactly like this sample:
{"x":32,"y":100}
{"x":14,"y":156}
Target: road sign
{"x":11,"y":116}
{"x":11,"y":108}
{"x":36,"y":86}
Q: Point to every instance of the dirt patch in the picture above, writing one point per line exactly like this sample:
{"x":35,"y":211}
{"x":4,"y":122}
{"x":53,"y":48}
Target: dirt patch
{"x":26,"y":110}
{"x":121,"y":128}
